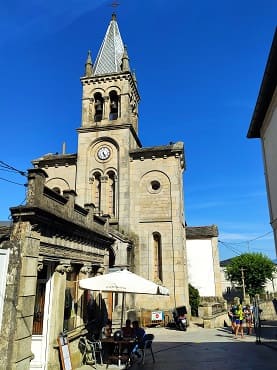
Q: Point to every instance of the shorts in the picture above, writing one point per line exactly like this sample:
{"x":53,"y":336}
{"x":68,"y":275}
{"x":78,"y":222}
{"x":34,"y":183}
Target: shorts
{"x":239,"y":322}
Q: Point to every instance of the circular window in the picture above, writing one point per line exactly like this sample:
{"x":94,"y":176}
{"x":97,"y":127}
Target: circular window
{"x":155,"y":185}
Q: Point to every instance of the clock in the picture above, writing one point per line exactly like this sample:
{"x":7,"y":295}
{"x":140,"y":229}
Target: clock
{"x":103,"y":153}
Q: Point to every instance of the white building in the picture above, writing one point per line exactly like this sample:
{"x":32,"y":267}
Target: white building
{"x":264,"y":126}
{"x":203,"y":260}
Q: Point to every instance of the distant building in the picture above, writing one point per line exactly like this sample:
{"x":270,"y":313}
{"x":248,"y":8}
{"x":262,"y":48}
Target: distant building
{"x":263,"y":125}
{"x":231,"y":290}
{"x":203,"y":260}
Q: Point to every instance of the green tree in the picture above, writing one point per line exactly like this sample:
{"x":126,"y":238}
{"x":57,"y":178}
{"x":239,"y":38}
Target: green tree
{"x":257,"y":268}
{"x":194,"y":299}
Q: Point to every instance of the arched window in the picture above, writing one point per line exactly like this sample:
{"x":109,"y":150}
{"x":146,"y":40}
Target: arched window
{"x":57,"y":190}
{"x":158,"y":267}
{"x":98,"y":107}
{"x":114,"y":102}
{"x":96,"y":190}
{"x":111,"y":193}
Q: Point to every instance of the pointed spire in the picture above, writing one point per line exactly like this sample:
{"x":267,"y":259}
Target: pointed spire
{"x":109,"y":57}
{"x":88,"y":65}
{"x":125,"y":60}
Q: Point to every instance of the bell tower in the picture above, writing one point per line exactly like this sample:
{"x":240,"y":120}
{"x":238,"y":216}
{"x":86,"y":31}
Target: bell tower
{"x":109,"y":128}
{"x":110,"y":95}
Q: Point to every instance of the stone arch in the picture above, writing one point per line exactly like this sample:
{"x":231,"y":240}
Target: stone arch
{"x":114,"y":108}
{"x":96,"y":188}
{"x":157,"y":256}
{"x":154,"y":196}
{"x":111,"y":190}
{"x":58,"y":183}
{"x":98,"y":106}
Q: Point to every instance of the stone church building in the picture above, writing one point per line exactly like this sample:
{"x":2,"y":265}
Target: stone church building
{"x":112,"y":205}
{"x":139,"y":191}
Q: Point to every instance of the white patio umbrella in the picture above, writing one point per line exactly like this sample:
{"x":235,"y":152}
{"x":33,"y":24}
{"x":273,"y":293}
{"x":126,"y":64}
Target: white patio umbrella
{"x":123,"y":281}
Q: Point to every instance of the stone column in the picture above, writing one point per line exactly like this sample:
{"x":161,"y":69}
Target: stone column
{"x":57,"y":312}
{"x":106,"y":108}
{"x":21,"y":353}
{"x":103,"y":202}
{"x":115,"y":196}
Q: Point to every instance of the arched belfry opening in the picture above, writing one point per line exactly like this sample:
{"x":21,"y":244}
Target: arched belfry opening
{"x":114,"y":105}
{"x":98,"y":107}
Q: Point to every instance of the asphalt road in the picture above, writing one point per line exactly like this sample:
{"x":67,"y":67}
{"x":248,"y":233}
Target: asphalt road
{"x":208,"y":349}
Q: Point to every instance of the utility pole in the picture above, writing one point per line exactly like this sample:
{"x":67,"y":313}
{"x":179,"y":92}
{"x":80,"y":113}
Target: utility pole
{"x":243,"y":285}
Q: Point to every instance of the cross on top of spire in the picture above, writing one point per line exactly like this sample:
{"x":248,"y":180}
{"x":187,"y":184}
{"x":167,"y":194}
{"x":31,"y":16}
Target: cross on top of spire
{"x":114,"y":4}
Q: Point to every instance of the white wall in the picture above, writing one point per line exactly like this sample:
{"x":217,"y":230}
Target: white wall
{"x":4,"y":261}
{"x":270,"y":155}
{"x":200,"y":266}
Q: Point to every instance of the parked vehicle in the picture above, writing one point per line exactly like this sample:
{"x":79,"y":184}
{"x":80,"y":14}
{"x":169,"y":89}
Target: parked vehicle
{"x":180,"y":317}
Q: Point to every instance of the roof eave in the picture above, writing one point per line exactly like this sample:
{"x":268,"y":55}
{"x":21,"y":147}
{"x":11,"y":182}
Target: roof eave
{"x":267,"y":89}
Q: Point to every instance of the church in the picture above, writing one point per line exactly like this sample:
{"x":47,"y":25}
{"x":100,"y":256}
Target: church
{"x":139,"y":191}
{"x":112,"y":205}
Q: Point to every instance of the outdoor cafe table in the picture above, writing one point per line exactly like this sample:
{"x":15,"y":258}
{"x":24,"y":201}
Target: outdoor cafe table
{"x":117,"y":352}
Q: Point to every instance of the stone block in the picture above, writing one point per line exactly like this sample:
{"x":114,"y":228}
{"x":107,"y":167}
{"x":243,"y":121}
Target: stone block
{"x":27,"y":285}
{"x":24,"y":327}
{"x":29,"y":266}
{"x":23,"y":352}
{"x":25,"y":305}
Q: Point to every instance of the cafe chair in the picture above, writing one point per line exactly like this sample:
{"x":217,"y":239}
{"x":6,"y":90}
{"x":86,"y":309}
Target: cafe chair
{"x":146,"y":345}
{"x":91,"y":351}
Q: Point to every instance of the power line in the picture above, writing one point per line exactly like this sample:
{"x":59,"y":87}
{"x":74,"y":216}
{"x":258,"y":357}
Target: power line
{"x":229,"y":246}
{"x":13,"y":182}
{"x":250,"y":240}
{"x":7,"y":166}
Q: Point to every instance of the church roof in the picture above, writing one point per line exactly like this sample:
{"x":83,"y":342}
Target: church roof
{"x":109,"y":58}
{"x":5,"y":230}
{"x":201,"y":232}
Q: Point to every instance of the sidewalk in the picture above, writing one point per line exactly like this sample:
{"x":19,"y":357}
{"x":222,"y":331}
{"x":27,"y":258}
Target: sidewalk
{"x":209,"y":349}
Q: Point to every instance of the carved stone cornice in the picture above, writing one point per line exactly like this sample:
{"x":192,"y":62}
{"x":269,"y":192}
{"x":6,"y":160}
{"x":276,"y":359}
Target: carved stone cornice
{"x":76,"y":255}
{"x":64,"y":266}
{"x":100,"y":270}
{"x":40,"y":264}
{"x":86,"y":269}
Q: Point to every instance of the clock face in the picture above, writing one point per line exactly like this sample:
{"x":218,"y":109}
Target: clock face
{"x":104,"y":152}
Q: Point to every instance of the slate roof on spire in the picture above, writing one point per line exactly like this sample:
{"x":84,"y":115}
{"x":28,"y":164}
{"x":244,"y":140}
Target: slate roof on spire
{"x":109,"y":57}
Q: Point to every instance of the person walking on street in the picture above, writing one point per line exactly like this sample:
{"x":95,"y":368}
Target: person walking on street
{"x":232,"y":317}
{"x":239,"y":321}
{"x":248,"y":314}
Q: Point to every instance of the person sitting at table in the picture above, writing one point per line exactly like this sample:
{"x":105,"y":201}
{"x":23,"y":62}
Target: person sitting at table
{"x":127,"y":330}
{"x":107,"y":329}
{"x":139,"y":334}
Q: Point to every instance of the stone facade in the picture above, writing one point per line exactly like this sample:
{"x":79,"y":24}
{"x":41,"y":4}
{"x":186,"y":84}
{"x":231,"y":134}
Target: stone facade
{"x":53,"y":234}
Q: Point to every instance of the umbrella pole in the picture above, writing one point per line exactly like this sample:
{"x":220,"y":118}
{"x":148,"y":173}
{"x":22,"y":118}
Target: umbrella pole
{"x":122,"y":310}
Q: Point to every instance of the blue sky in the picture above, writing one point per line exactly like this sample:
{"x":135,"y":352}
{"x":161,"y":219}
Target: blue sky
{"x":199,"y":67}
